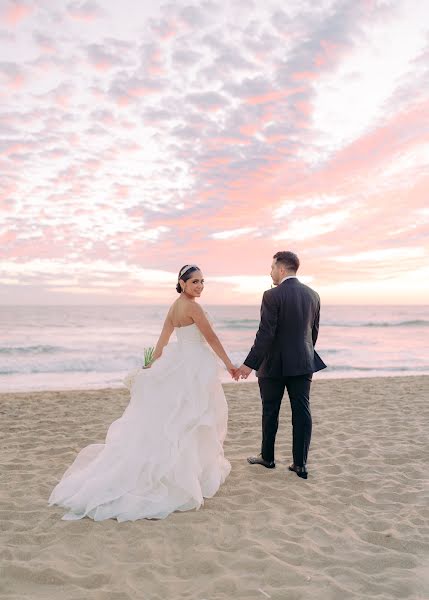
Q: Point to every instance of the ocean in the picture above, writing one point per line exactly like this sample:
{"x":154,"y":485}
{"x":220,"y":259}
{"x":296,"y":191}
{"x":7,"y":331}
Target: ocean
{"x":81,"y":347}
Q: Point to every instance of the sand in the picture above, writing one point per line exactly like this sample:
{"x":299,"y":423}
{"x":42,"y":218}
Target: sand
{"x":357,"y":528}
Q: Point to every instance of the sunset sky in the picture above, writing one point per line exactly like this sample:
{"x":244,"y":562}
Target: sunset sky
{"x":138,"y":136}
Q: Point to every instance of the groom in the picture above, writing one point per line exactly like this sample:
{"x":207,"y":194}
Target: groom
{"x":283,"y":355}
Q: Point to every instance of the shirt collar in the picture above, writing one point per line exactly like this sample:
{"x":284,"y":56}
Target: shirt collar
{"x":287,"y":277}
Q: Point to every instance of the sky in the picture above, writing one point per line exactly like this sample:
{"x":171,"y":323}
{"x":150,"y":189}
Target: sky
{"x":137,"y":137}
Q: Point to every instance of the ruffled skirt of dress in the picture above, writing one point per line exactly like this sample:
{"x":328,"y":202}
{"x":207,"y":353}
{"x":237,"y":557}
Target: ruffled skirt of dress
{"x":165,"y":453}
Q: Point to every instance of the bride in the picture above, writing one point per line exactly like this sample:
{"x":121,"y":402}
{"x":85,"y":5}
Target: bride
{"x":165,"y":453}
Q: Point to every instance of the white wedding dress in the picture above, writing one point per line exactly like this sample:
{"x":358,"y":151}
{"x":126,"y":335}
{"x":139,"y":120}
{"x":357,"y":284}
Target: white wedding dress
{"x":165,"y":453}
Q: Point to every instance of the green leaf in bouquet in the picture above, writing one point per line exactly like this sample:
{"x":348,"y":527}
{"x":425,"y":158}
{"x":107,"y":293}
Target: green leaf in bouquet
{"x":148,"y":355}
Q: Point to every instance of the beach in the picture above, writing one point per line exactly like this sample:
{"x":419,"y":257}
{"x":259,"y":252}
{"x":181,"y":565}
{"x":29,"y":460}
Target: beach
{"x":358,"y":528}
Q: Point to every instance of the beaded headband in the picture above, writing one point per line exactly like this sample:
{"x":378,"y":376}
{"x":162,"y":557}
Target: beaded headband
{"x":186,"y":269}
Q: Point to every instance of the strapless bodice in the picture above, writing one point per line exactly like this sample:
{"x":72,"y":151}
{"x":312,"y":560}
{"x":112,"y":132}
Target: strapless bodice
{"x":189,"y":334}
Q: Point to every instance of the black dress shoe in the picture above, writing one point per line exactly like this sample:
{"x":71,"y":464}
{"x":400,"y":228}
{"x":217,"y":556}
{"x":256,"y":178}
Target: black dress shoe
{"x":258,"y":460}
{"x":300,"y":471}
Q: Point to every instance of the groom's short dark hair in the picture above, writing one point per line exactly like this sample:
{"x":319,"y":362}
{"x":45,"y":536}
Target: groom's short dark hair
{"x":288,"y":259}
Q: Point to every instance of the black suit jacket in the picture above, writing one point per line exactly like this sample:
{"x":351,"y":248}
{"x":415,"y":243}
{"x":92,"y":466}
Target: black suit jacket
{"x":287,"y":334}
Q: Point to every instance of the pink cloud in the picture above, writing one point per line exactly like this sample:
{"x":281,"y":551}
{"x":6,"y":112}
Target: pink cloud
{"x":87,"y":11}
{"x":105,"y":116}
{"x":400,"y":133}
{"x":73,"y":139}
{"x":103,"y":64}
{"x":7,"y":238}
{"x":257,"y":125}
{"x":44,"y":64}
{"x":215,"y":161}
{"x":7,"y":191}
{"x":16,"y":12}
{"x":62,"y":95}
{"x":219,"y":141}
{"x":250,"y":128}
{"x":155,"y":66}
{"x":77,"y":190}
{"x":14,"y":148}
{"x":97,"y":93}
{"x":208,"y":101}
{"x":58,"y":198}
{"x":67,"y":175}
{"x":103,"y":58}
{"x":13,"y":75}
{"x":47,"y":46}
{"x":304,"y":76}
{"x":123,"y":100}
{"x":328,"y":54}
{"x":273,"y":96}
{"x":121,"y":191}
{"x":139,"y":90}
{"x":165,"y":29}
{"x":47,"y":247}
{"x":130,"y":147}
{"x":126,"y":90}
{"x":91,"y":164}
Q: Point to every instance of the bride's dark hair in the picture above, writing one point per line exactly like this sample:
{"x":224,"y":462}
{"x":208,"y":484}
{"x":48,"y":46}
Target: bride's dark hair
{"x":186,"y":275}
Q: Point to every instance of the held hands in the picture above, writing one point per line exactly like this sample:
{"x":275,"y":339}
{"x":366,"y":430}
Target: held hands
{"x":242,"y":372}
{"x":237,"y":373}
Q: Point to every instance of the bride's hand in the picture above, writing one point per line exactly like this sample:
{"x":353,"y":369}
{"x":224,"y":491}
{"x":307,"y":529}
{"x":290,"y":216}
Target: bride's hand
{"x":232,"y":370}
{"x":234,"y":374}
{"x":150,"y":364}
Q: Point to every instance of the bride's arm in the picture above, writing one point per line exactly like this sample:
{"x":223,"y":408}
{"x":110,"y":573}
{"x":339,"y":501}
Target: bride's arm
{"x":206,"y":329}
{"x":166,"y":332}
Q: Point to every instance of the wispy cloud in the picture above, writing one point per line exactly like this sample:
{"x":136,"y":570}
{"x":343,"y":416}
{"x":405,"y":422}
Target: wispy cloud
{"x":232,"y":233}
{"x":312,"y":226}
{"x":386,"y":254}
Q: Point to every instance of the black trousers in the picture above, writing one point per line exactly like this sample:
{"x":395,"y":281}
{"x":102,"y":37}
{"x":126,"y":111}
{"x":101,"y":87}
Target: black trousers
{"x":272,"y":391}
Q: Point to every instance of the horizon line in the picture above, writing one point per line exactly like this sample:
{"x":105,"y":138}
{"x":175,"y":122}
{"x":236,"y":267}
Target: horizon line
{"x":205,"y":303}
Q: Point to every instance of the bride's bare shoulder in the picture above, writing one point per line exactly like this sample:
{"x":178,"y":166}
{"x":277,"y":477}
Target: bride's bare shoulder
{"x":171,"y":310}
{"x":181,"y":312}
{"x":196,"y":310}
